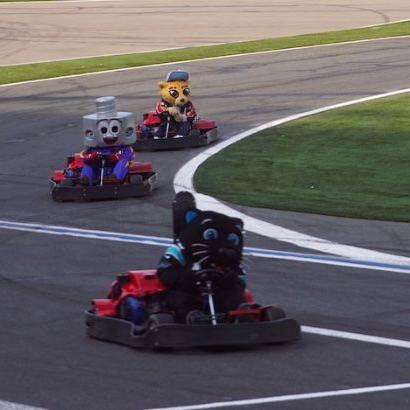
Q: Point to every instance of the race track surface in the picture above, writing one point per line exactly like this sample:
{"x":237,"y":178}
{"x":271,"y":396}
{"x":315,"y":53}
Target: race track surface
{"x":57,"y":30}
{"x":47,"y":281}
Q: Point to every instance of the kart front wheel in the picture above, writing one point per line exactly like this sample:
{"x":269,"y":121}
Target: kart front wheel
{"x":66,"y":182}
{"x":272,"y":313}
{"x":135,"y":179}
{"x":130,"y":309}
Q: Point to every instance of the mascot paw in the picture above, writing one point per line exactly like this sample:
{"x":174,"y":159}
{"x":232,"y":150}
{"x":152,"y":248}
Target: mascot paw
{"x":173,"y":111}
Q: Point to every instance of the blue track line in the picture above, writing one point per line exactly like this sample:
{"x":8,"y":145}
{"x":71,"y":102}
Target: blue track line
{"x":158,"y":241}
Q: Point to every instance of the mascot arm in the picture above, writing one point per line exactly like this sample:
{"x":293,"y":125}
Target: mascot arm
{"x":90,"y":155}
{"x":175,"y":113}
{"x":127,"y":153}
{"x":232,"y":274}
{"x":120,"y":153}
{"x":190,"y":111}
{"x":163,"y":110}
{"x":173,"y":272}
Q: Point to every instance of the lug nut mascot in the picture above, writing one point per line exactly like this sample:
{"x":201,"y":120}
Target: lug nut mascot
{"x":175,"y":109}
{"x":108,"y":135}
{"x":204,"y":240}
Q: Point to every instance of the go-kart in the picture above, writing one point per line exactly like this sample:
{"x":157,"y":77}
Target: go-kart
{"x":203,"y":132}
{"x":65,"y":184}
{"x":136,"y":314}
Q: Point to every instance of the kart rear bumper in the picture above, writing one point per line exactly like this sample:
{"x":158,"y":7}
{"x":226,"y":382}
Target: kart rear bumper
{"x":180,"y":335}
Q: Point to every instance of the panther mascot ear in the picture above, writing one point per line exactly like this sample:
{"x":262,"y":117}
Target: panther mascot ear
{"x":190,"y":216}
{"x":184,"y":211}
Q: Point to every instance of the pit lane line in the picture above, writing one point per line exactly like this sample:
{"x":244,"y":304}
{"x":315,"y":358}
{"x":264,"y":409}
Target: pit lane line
{"x":291,"y":397}
{"x":184,"y":181}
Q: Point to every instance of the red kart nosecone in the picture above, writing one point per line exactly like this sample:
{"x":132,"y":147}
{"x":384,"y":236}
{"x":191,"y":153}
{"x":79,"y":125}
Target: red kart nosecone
{"x":139,"y":283}
{"x":151,"y":118}
{"x":203,"y":125}
{"x":140,"y":167}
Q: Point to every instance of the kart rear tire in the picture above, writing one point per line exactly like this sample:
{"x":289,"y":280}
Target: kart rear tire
{"x":130,"y":309}
{"x":272,"y":313}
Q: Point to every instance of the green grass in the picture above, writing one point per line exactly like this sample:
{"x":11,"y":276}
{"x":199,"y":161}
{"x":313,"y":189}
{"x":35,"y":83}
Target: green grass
{"x":11,"y":74}
{"x":353,"y":162}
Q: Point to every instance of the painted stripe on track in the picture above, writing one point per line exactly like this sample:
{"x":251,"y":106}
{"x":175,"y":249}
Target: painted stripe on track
{"x":292,"y":397}
{"x":7,"y":405}
{"x":117,"y":70}
{"x":183,"y":180}
{"x":159,"y":241}
{"x":358,"y":337}
{"x":266,"y":253}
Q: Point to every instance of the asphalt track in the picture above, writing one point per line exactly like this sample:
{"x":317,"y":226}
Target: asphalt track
{"x":47,"y":281}
{"x":64,"y":29}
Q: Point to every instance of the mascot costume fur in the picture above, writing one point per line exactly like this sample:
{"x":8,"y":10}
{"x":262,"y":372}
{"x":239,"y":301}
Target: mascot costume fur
{"x":108,"y":136}
{"x":204,"y":240}
{"x":175,"y":109}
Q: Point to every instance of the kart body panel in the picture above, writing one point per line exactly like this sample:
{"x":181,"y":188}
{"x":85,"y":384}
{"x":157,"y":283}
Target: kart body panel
{"x":184,"y":336}
{"x":131,"y":187}
{"x":103,"y":321}
{"x":203,"y":132}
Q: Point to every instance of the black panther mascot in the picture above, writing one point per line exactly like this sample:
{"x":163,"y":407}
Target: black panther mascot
{"x":204,"y":241}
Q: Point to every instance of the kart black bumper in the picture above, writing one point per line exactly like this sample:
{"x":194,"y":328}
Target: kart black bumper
{"x":157,"y":144}
{"x":179,"y":335}
{"x":96,"y":192}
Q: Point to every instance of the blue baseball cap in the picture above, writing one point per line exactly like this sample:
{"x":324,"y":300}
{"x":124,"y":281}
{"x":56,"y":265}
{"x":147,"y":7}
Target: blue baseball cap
{"x":177,"y":75}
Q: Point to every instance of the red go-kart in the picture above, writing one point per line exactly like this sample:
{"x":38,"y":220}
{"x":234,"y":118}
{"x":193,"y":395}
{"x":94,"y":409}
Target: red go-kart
{"x":65,"y":184}
{"x":203,"y":132}
{"x":135,"y":314}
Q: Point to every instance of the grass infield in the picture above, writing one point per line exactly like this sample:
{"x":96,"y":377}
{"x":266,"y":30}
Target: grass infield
{"x":353,"y":162}
{"x":25,"y":72}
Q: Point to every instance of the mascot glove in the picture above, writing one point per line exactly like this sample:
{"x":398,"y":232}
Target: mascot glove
{"x":213,"y":274}
{"x":173,"y":111}
{"x":93,"y":156}
{"x":115,"y":157}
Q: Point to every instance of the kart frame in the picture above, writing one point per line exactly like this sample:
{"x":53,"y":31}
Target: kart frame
{"x":197,"y":335}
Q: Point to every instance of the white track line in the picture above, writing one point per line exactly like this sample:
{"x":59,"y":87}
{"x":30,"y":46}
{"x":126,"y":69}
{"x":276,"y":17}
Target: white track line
{"x":184,"y":181}
{"x":26,"y":3}
{"x":7,"y":405}
{"x":182,"y":47}
{"x":160,"y":241}
{"x":358,"y":337}
{"x":201,"y":59}
{"x":291,"y":397}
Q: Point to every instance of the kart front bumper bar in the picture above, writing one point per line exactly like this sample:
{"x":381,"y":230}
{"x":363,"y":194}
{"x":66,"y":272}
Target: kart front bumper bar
{"x":180,"y":335}
{"x":96,"y":192}
{"x":157,"y":144}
